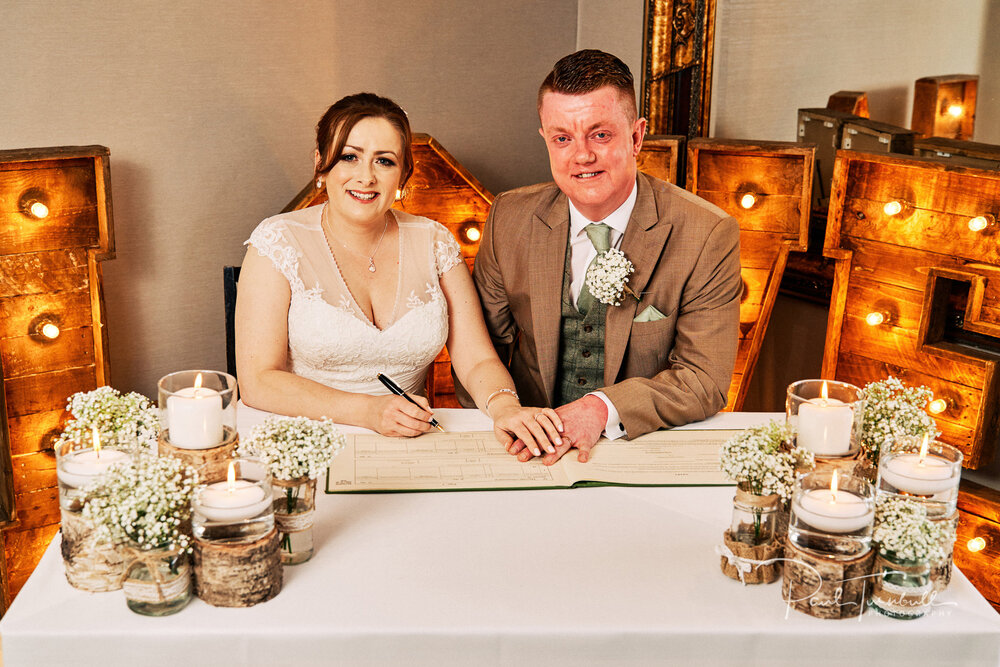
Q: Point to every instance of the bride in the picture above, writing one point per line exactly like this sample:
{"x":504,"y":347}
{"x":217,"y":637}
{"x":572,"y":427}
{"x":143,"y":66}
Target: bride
{"x":334,"y":294}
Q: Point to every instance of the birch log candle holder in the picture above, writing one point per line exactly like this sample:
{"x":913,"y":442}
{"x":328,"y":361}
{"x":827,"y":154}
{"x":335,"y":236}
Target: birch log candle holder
{"x":828,"y":556}
{"x":236,"y":558}
{"x":198,"y":416}
{"x":92,"y":564}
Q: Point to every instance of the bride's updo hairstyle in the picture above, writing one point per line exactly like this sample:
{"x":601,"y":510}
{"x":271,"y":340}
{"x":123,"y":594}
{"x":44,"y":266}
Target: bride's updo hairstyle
{"x":338,"y":121}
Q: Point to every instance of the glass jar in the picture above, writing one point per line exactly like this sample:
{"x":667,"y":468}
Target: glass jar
{"x":157,"y":581}
{"x":902,"y":589}
{"x":826,"y":416}
{"x":294,"y":511}
{"x":755,"y":517}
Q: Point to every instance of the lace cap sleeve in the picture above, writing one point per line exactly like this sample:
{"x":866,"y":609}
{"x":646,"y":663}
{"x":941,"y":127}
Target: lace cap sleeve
{"x":269,"y":240}
{"x":447,"y":253}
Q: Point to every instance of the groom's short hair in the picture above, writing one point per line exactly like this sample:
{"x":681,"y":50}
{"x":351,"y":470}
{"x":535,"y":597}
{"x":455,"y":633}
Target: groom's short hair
{"x":587,"y":70}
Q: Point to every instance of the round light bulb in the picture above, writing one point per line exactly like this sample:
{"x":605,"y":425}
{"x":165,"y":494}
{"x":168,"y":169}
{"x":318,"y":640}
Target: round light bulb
{"x":473,"y":234}
{"x":978,"y":223}
{"x":874,"y":318}
{"x":38,"y":209}
{"x":399,"y":195}
{"x":50,"y":331}
{"x":748,"y":200}
{"x":955,"y":110}
{"x":892,"y":208}
{"x":937,"y":406}
{"x":975,"y":544}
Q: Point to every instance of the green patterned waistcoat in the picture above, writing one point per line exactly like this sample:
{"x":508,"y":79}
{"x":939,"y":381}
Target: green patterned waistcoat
{"x":581,"y":347}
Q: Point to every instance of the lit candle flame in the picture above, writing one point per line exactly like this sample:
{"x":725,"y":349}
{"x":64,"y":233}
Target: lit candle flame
{"x":96,"y":437}
{"x":834,"y":485}
{"x":892,"y":208}
{"x":748,"y":200}
{"x":824,"y":393}
{"x":231,"y":477}
{"x":955,"y":110}
{"x":197,"y":385}
{"x":923,"y":448}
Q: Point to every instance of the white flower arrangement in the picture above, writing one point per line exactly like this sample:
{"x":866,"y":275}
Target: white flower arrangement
{"x":294,"y":447}
{"x":893,"y":410}
{"x":903,"y":531}
{"x":126,"y":421}
{"x":762,"y":460}
{"x":144,"y":502}
{"x":608,"y":276}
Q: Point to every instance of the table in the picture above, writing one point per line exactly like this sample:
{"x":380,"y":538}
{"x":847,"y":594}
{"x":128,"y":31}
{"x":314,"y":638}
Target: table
{"x":589,"y":576}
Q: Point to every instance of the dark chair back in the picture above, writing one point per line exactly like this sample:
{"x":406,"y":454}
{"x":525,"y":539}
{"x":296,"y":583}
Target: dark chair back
{"x":230,"y":279}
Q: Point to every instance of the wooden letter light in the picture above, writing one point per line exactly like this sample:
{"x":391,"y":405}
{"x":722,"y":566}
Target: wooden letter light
{"x":916,"y":290}
{"x":443,"y":190}
{"x":767,"y":187}
{"x":55,"y":226}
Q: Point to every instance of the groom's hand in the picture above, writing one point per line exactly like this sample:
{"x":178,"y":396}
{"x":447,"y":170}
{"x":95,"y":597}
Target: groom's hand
{"x":583,"y":422}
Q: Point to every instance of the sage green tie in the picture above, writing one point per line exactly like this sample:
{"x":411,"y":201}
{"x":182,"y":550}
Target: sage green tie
{"x":600,"y":235}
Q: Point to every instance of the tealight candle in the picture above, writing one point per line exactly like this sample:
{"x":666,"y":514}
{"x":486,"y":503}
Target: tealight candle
{"x":825,"y":425}
{"x":922,"y":474}
{"x":837,"y":512}
{"x":194,"y":417}
{"x":233,"y":500}
{"x":78,"y":468}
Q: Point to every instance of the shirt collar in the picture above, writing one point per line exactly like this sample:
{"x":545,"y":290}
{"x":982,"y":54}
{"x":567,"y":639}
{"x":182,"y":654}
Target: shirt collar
{"x":617,"y":219}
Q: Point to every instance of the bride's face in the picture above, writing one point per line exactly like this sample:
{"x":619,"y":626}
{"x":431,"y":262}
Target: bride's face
{"x":363,"y":181}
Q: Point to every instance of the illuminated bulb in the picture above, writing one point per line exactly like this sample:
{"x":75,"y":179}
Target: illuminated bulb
{"x":748,"y":200}
{"x":937,"y":406}
{"x":874,"y":319}
{"x":38,"y":209}
{"x":473,"y":234}
{"x":978,"y":223}
{"x":955,"y":110}
{"x":399,"y":195}
{"x":892,"y":208}
{"x":50,"y":331}
{"x":975,"y":544}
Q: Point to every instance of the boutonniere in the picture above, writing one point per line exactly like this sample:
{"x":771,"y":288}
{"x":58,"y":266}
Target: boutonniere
{"x":607,"y":279}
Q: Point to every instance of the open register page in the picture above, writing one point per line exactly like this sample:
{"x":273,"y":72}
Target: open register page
{"x":475,"y":460}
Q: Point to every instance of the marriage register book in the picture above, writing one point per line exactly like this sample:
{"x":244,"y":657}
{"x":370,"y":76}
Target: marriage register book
{"x":475,"y":460}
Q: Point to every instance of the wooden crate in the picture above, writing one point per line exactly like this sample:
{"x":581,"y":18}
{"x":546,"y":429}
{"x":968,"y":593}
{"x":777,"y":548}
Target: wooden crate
{"x":935,"y":96}
{"x":779,"y":175}
{"x":660,"y":156}
{"x":823,"y":128}
{"x":957,"y":151}
{"x":443,"y":190}
{"x":49,"y":273}
{"x":935,"y":282}
{"x":849,"y":101}
{"x":870,"y":136}
{"x":977,"y":546}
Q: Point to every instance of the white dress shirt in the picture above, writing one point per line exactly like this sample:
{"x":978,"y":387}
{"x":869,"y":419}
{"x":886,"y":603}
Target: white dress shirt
{"x":582,"y":252}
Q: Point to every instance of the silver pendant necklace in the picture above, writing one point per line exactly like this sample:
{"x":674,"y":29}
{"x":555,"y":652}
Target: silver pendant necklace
{"x":371,"y":257}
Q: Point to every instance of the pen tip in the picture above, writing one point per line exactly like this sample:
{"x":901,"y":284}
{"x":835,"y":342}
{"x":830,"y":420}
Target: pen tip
{"x":439,"y":427}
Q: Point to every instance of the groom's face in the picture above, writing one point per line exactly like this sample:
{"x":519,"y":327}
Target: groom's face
{"x":593,"y":140}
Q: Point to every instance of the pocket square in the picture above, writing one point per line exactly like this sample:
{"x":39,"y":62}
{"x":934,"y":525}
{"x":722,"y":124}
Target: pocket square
{"x":649,"y":314}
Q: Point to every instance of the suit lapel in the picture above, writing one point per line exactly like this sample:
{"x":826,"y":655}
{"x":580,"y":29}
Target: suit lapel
{"x":547,"y":258}
{"x":645,"y":238}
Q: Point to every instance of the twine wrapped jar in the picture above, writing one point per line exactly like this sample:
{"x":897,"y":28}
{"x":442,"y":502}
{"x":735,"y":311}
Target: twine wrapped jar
{"x":754,"y":542}
{"x":156,"y":581}
{"x":902,"y":589}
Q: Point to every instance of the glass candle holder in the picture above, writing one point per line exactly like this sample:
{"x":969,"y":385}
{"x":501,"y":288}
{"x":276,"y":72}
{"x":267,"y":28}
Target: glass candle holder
{"x":826,"y":416}
{"x":232,"y":501}
{"x":832,"y":514}
{"x":928,"y":473}
{"x":80,"y":464}
{"x":197,"y":408}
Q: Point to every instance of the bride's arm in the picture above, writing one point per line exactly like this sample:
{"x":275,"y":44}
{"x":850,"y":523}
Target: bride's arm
{"x":483,"y":375}
{"x":261,"y":361}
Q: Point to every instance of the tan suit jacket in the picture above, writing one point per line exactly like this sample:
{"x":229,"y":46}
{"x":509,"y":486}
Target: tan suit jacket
{"x":687,"y":264}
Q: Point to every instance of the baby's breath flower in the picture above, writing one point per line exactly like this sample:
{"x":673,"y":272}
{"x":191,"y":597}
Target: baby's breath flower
{"x":144,"y":502}
{"x":126,"y":421}
{"x":893,"y":410}
{"x":294,"y":447}
{"x":761,"y":459}
{"x":607,"y":276}
{"x":903,"y":531}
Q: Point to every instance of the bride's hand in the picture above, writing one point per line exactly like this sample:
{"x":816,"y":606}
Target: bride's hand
{"x":538,"y":428}
{"x":395,"y":416}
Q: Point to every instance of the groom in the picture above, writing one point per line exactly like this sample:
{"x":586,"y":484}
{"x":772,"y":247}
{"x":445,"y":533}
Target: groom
{"x":620,"y":370}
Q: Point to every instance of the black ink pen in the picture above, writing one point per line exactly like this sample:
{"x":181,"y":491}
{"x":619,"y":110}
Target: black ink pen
{"x":394,"y":388}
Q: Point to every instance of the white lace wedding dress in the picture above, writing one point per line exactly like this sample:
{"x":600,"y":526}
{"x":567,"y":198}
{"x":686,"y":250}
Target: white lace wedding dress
{"x":330,"y":340}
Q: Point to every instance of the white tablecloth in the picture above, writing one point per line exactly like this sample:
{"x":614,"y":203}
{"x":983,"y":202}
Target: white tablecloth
{"x":591,"y":576}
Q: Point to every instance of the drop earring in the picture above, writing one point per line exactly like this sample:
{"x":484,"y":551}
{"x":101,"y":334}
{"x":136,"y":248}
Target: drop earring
{"x":319,"y":183}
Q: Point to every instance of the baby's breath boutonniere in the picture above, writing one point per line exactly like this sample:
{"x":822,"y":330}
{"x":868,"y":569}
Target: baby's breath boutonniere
{"x":607,"y":278}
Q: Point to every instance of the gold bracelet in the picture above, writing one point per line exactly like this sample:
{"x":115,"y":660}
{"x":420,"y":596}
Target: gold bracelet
{"x":497,"y":393}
